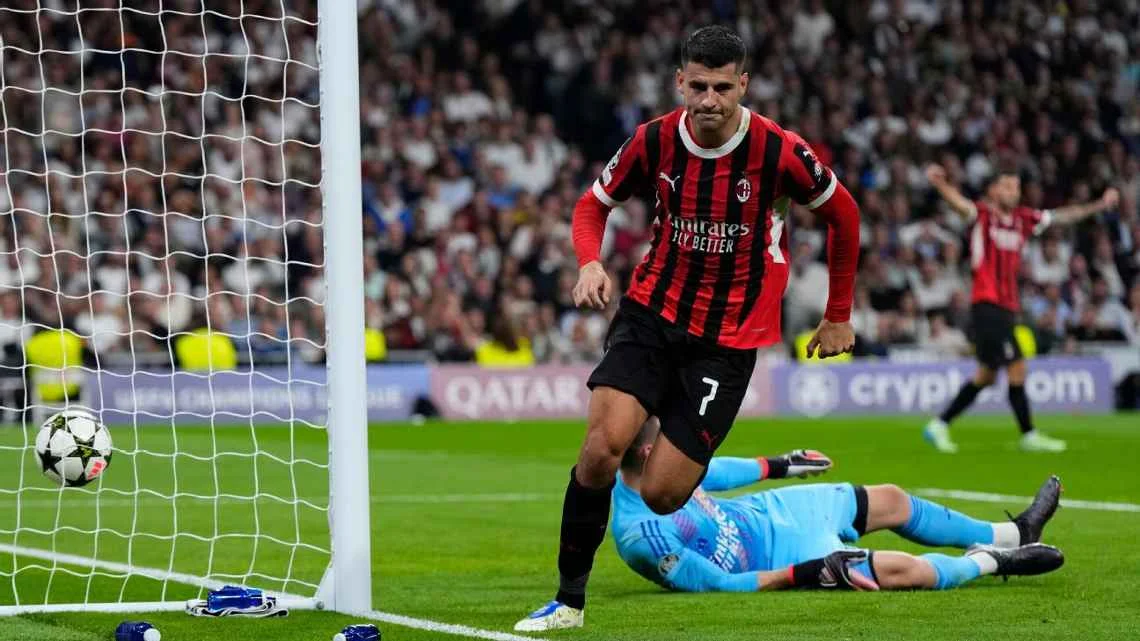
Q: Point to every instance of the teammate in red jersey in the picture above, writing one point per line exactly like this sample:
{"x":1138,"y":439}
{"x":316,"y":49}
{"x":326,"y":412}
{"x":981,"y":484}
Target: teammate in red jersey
{"x":1001,"y":227}
{"x":682,"y":345}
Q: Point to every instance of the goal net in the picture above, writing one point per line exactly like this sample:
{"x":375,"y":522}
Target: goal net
{"x":162,"y":261}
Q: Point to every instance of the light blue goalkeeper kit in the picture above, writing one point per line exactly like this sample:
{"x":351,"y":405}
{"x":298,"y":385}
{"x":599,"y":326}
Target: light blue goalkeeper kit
{"x":720,"y":544}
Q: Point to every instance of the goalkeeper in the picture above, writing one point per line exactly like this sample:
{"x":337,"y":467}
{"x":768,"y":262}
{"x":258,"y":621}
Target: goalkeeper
{"x":796,"y":536}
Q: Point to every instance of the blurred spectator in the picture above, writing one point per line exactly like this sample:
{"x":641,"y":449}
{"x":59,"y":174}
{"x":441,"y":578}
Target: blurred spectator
{"x":946,"y":340}
{"x":1103,"y":317}
{"x":1132,"y":328}
{"x":1050,"y":311}
{"x":933,"y":286}
{"x":102,"y":325}
{"x":505,"y":346}
{"x":1049,"y":261}
{"x":806,"y":295}
{"x":13,"y":328}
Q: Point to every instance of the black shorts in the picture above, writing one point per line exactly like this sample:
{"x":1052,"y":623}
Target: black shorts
{"x":994,"y":343}
{"x":692,"y":386}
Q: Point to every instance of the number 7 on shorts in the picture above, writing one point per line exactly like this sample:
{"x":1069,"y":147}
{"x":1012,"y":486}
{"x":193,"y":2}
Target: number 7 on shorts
{"x":713,"y":385}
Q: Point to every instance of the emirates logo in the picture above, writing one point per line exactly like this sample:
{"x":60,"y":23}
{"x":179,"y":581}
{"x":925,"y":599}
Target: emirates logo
{"x":743,"y":190}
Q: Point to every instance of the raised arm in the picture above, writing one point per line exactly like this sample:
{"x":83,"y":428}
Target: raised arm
{"x":1073,"y":213}
{"x":959,"y":203}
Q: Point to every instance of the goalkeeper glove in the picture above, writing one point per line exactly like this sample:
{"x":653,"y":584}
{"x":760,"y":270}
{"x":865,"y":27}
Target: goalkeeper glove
{"x":833,"y":571}
{"x":796,"y":463}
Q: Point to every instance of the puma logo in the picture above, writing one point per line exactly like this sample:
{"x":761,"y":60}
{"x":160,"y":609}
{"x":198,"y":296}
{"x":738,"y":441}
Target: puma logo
{"x":709,"y":438}
{"x":672,"y":183}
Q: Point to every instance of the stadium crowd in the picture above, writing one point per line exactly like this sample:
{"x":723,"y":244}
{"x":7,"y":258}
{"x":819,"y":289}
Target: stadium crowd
{"x":483,"y":122}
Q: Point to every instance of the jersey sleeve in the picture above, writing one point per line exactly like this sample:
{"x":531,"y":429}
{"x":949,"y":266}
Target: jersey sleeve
{"x":1038,"y":219}
{"x":727,"y":472}
{"x":687,"y":571}
{"x":805,"y":179}
{"x":626,"y":173}
{"x":655,"y":550}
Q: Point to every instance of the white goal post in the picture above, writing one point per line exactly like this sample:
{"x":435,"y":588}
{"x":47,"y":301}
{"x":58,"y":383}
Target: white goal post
{"x":161,"y":163}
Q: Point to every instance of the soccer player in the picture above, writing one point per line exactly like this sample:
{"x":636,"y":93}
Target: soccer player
{"x":1001,"y":227}
{"x":796,"y":536}
{"x":682,"y":345}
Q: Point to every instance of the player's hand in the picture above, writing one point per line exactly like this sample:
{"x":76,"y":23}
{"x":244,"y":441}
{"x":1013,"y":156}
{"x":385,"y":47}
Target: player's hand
{"x":836,"y":570}
{"x":936,"y":174}
{"x":593,"y":287}
{"x":803,"y":463}
{"x":1110,"y":197}
{"x":831,"y":339}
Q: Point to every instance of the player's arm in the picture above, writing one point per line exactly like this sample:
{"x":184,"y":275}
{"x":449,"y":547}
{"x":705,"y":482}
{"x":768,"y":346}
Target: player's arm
{"x":959,"y":203}
{"x":687,"y":571}
{"x":620,"y":179}
{"x":813,"y":185}
{"x":728,"y":473}
{"x":681,"y":569}
{"x":1074,"y":213}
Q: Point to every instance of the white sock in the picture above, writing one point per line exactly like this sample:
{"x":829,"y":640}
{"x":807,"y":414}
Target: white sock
{"x":986,"y":563}
{"x":1006,"y":535}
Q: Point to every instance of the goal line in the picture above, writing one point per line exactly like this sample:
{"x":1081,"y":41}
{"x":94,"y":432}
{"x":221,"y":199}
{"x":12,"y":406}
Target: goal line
{"x":290,"y":601}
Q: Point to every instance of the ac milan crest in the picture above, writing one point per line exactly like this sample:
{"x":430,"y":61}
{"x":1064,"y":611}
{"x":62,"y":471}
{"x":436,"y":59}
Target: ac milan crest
{"x":743,"y":189}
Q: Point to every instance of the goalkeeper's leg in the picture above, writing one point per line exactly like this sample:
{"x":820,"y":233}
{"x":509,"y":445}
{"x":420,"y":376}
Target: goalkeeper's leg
{"x":928,"y":523}
{"x":902,"y":571}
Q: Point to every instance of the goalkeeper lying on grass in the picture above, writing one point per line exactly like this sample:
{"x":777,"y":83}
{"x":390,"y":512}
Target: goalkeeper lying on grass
{"x":797,"y":536}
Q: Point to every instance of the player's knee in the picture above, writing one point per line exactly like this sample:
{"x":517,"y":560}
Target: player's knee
{"x":985,"y":378}
{"x":898,"y":571}
{"x":889,"y":506}
{"x":662,"y":500}
{"x":600,"y":457}
{"x":897,"y":501}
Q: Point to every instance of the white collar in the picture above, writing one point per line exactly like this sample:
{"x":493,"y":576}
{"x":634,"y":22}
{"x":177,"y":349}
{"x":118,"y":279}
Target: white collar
{"x":729,"y":145}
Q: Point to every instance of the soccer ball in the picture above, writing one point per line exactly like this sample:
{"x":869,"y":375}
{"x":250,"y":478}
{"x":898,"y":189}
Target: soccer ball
{"x":73,"y":447}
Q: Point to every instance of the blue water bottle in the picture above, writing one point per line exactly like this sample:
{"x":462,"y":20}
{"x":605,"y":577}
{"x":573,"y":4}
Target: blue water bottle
{"x":137,"y":631}
{"x":358,"y":632}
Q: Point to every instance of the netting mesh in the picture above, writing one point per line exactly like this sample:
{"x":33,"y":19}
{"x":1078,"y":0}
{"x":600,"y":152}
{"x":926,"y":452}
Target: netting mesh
{"x":161,"y":261}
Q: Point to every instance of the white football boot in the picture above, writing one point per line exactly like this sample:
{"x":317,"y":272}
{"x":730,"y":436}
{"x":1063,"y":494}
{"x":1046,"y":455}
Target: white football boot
{"x":552,"y":616}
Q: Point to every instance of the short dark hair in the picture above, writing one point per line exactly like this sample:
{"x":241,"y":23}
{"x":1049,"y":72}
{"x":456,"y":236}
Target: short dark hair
{"x":998,"y":175}
{"x":714,"y":46}
{"x":648,"y":432}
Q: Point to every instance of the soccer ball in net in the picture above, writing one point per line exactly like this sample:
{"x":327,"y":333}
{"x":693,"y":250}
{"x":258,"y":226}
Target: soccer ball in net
{"x":73,"y":447}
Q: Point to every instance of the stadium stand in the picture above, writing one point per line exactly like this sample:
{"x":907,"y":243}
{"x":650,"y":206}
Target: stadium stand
{"x":483,"y":122}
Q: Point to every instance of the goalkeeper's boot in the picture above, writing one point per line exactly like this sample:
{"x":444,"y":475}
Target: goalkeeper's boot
{"x":552,"y":616}
{"x":1037,"y":442}
{"x":1032,"y":520}
{"x":1027,"y":560}
{"x":937,"y":433}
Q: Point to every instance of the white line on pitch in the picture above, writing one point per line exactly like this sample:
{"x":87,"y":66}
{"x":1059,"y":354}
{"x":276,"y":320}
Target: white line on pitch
{"x":446,"y":628}
{"x":110,"y":566}
{"x":197,"y":581}
{"x":88,"y":498}
{"x":987,"y":497}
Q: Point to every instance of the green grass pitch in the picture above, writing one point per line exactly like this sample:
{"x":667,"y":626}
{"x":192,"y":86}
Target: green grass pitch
{"x":465,"y":525}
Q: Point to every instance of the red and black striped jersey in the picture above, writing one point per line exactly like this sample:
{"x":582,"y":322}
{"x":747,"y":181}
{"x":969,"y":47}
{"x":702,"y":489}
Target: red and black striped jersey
{"x":718,"y":261}
{"x":996,"y":244}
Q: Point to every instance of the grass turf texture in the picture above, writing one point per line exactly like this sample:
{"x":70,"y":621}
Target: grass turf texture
{"x":440,"y":554}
